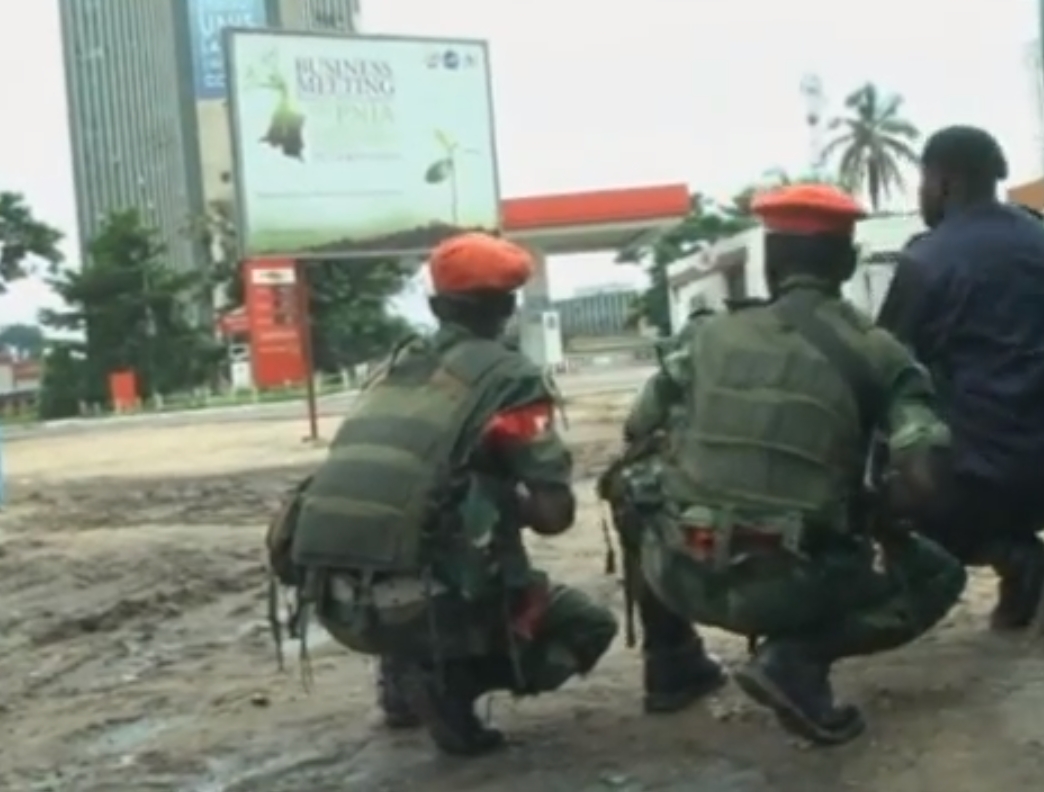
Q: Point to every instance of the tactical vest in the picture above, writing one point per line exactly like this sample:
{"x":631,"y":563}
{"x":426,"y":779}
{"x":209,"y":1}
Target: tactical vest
{"x":370,"y":504}
{"x":772,"y":424}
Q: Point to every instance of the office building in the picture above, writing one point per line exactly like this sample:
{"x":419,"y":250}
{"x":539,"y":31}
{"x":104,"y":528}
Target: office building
{"x":594,"y":314}
{"x":148,"y":118}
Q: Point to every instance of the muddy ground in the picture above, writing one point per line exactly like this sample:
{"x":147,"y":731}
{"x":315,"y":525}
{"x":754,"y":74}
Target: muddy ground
{"x":134,"y":656}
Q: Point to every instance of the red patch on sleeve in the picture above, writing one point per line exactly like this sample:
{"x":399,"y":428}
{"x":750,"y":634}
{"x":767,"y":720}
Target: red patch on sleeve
{"x":520,"y":425}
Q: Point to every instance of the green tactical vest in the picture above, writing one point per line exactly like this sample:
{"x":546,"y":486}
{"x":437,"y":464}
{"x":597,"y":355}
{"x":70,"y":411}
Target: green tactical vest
{"x":771,"y":423}
{"x":371,"y":501}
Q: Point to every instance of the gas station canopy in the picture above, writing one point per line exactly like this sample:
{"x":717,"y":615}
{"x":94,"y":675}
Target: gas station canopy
{"x":589,"y":222}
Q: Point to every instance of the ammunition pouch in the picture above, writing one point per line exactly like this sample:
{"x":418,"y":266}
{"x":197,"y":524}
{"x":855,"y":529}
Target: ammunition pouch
{"x":279,"y":537}
{"x":720,"y":538}
{"x":406,"y":616}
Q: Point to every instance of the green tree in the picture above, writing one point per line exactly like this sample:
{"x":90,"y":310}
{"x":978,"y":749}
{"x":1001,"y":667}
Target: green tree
{"x":64,"y":381}
{"x":25,"y":339}
{"x":130,"y":309}
{"x":348,"y":298}
{"x":871,"y":143}
{"x":216,"y":233}
{"x":23,"y":239}
{"x":709,"y":222}
{"x":348,"y":305}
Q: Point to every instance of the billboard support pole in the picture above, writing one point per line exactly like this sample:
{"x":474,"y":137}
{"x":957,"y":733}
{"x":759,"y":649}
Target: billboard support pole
{"x":2,"y":493}
{"x":304,"y":319}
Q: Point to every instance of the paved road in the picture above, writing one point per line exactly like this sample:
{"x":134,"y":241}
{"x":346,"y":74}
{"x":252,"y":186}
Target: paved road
{"x":608,"y":380}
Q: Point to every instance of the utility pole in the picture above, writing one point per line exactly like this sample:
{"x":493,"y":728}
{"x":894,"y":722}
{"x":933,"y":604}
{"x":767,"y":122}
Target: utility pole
{"x":815,"y":109}
{"x":1037,"y":70}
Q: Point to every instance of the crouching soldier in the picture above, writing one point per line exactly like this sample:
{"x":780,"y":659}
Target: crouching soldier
{"x":409,"y":536}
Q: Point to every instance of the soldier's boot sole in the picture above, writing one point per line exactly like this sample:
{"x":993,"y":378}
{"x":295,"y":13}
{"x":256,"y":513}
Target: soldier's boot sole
{"x":753,"y":681}
{"x":451,"y":723}
{"x":666,"y":702}
{"x":391,"y":698}
{"x":401,"y":721}
{"x":1021,"y":596}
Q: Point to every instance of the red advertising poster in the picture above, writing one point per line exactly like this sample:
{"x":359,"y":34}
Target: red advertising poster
{"x":272,"y":300}
{"x":123,"y":390}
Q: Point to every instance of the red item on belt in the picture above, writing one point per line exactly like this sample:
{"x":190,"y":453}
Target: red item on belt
{"x":530,"y":614}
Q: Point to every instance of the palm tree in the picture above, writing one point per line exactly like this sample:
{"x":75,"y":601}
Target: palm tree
{"x":873,"y":141}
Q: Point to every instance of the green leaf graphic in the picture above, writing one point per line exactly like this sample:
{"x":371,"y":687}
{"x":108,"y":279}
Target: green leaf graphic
{"x":439,"y":171}
{"x":446,"y":143}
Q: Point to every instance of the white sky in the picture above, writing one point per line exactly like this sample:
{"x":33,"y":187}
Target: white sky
{"x":592,"y":94}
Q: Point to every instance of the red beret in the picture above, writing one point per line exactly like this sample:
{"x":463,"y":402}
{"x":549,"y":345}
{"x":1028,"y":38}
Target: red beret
{"x":808,"y":209}
{"x":470,"y":262}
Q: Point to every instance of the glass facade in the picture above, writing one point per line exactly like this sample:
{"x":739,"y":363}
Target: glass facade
{"x":134,"y":71}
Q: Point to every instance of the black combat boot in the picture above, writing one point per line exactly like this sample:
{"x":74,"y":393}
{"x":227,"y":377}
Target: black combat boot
{"x":1020,"y":566}
{"x":794,"y":684}
{"x":446,"y":704}
{"x":677,"y":669}
{"x":391,"y":694}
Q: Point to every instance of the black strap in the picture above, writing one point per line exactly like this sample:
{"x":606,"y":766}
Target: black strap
{"x":798,"y":309}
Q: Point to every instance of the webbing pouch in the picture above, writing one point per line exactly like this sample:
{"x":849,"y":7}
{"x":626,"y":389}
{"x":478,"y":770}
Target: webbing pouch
{"x":732,"y":534}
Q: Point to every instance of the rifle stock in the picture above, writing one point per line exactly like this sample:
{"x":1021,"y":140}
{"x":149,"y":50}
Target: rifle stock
{"x":627,"y":523}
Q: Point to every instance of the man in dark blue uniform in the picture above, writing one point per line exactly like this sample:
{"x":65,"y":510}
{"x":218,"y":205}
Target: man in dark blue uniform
{"x":968,"y":298}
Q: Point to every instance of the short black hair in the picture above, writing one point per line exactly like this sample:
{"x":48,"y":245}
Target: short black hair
{"x":968,"y":153}
{"x":831,"y":257}
{"x":481,"y":311}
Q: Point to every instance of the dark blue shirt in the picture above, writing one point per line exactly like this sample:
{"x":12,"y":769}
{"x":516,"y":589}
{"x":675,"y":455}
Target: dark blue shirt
{"x":968,"y":299}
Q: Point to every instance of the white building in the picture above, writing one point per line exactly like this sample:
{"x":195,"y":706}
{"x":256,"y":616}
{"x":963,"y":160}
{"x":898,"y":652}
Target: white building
{"x":735,"y":268}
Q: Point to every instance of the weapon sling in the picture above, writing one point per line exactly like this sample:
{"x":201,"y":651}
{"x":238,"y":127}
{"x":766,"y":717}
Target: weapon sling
{"x":798,"y":310}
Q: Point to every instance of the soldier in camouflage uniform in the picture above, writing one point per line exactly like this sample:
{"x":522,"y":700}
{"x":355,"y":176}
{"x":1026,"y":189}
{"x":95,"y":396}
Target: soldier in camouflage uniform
{"x":410,"y":533}
{"x":765,"y":529}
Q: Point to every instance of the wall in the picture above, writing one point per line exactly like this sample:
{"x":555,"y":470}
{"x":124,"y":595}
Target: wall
{"x":1030,"y":194}
{"x":880,"y":240}
{"x":705,"y":276}
{"x":708,"y":291}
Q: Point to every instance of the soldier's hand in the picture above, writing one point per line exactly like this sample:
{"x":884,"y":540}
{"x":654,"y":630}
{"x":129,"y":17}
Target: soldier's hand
{"x":917,"y":480}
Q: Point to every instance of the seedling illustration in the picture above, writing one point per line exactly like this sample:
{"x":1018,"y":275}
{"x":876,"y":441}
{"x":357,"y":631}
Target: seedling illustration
{"x":286,"y":127}
{"x":444,"y":170}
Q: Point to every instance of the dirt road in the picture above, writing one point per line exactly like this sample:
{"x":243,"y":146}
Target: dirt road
{"x":134,"y":657}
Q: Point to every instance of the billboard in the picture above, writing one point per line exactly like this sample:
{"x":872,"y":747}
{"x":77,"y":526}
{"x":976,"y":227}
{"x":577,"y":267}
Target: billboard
{"x":207,"y":22}
{"x":359,"y":146}
{"x":273,"y":302}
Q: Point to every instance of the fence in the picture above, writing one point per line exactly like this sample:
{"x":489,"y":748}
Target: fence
{"x":17,"y":413}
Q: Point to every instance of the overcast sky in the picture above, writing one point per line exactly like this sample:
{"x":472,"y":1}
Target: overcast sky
{"x":594,"y":94}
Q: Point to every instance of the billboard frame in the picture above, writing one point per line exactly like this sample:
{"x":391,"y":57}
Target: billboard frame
{"x":234,"y":116}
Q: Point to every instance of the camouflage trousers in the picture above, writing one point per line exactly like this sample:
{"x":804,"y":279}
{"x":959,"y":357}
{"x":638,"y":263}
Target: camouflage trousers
{"x":546,"y":635}
{"x":842,"y":601}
